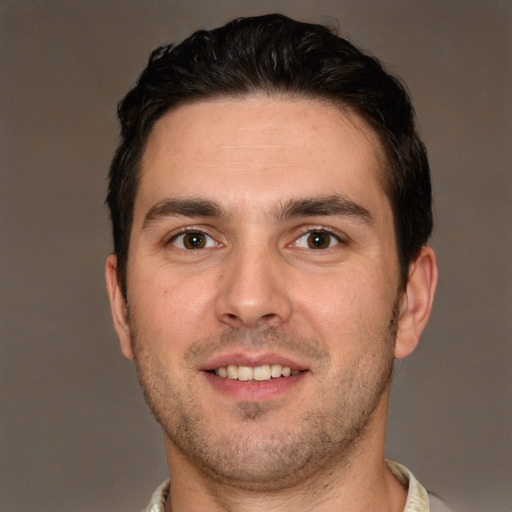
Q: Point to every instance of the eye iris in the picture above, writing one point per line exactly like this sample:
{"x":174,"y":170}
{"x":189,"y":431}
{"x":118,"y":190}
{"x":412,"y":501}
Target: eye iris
{"x":317,"y":240}
{"x":194,"y":240}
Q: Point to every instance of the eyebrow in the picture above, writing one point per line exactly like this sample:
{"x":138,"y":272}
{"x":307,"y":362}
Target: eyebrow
{"x":324,"y":206}
{"x":183,"y":208}
{"x":331,"y":205}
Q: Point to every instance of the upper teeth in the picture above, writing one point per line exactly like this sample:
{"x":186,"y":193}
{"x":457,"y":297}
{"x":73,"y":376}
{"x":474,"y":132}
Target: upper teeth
{"x":245,"y":373}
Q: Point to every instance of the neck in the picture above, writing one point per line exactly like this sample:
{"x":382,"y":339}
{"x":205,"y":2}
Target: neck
{"x":359,"y":482}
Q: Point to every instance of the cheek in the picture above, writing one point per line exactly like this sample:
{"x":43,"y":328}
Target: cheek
{"x":169,"y":311}
{"x":344,"y":303}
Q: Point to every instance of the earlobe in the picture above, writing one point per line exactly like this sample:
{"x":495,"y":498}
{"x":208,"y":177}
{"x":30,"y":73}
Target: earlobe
{"x":416,"y":303}
{"x":118,"y":307}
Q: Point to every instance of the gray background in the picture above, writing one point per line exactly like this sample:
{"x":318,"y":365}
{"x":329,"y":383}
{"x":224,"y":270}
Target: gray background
{"x":75,"y":433}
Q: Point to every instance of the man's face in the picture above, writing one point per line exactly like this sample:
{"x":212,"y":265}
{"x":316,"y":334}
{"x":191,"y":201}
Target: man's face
{"x":263,"y":245}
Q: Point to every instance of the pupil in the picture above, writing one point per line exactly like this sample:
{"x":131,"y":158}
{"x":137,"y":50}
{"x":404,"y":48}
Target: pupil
{"x":194,"y":241}
{"x":318,"y":240}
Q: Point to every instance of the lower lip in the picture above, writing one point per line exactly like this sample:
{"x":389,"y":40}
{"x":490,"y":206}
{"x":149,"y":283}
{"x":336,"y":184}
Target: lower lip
{"x":254,"y":391}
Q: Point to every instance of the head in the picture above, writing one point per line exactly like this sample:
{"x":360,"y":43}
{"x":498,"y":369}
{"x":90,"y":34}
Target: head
{"x":279,"y":57}
{"x":270,"y":202}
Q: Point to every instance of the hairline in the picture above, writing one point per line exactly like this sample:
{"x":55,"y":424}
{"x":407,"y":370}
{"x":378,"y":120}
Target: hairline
{"x":381,"y":152}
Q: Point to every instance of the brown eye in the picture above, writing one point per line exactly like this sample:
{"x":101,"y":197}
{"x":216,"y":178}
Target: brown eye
{"x":193,"y":240}
{"x":318,"y":240}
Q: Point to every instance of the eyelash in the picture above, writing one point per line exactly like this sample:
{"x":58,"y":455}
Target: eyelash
{"x":191,"y":231}
{"x":309,"y":230}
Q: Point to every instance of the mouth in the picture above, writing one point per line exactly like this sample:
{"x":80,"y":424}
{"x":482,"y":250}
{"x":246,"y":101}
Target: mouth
{"x":260,"y":373}
{"x":255,"y":377}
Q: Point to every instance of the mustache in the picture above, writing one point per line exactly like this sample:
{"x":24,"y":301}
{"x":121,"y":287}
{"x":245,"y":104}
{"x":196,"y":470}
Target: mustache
{"x":267,"y":338}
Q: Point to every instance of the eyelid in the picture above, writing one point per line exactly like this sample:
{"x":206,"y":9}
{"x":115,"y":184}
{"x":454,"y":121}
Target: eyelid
{"x":341,"y":238}
{"x":172,"y":237}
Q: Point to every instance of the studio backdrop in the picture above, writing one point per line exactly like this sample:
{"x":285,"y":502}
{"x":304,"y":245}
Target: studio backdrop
{"x":75,"y":432}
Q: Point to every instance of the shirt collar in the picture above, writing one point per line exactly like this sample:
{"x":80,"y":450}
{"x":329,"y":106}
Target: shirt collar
{"x":417,"y":497}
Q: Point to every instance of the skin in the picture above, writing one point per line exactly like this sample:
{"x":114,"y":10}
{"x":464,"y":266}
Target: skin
{"x":256,"y":182}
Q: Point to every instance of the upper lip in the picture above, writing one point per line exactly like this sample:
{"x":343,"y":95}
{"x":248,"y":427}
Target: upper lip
{"x":253,"y":360}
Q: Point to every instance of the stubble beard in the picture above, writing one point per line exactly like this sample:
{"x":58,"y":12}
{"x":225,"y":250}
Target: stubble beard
{"x":267,"y":459}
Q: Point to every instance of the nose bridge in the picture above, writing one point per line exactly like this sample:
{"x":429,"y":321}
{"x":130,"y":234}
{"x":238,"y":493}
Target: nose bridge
{"x":252,"y":289}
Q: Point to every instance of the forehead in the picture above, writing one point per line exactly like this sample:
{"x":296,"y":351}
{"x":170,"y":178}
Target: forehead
{"x":258,"y":148}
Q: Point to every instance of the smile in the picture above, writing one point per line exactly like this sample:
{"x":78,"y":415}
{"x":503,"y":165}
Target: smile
{"x":256,"y":373}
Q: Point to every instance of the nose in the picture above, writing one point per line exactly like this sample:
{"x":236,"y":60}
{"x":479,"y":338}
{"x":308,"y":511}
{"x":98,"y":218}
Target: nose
{"x":253,"y":290}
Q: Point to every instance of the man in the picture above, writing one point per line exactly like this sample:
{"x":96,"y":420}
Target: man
{"x":271,"y":207}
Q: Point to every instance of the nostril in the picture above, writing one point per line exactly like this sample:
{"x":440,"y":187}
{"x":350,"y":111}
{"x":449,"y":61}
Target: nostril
{"x":237,"y":306}
{"x":233,"y":319}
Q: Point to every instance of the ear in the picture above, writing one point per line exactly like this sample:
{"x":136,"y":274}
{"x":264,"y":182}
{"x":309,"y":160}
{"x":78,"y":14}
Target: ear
{"x":416,"y":303}
{"x":118,"y":307}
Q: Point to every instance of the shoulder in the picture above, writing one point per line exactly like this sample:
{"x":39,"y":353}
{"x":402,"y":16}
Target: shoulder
{"x":418,"y":499}
{"x":437,"y":504}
